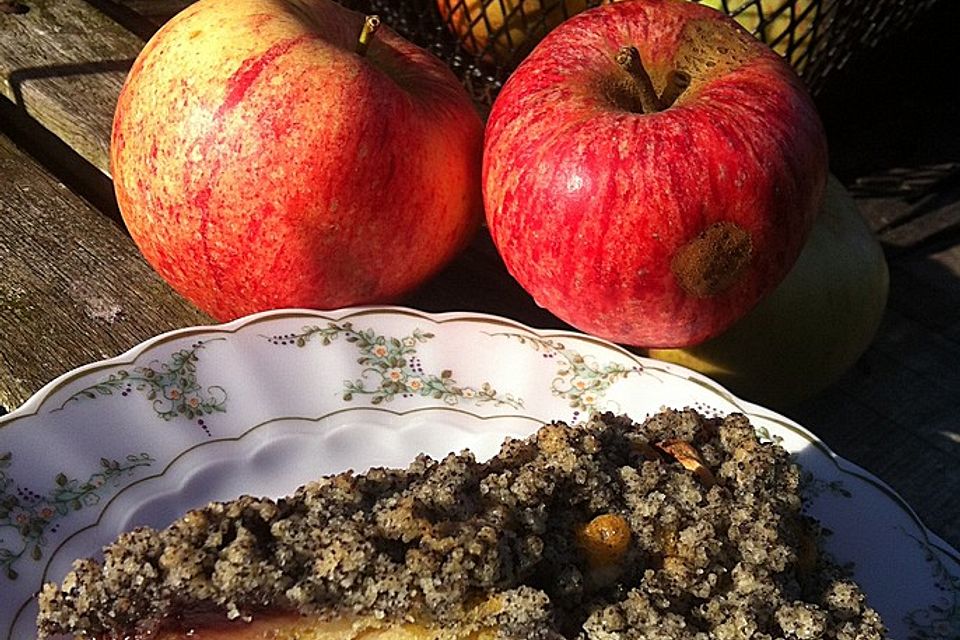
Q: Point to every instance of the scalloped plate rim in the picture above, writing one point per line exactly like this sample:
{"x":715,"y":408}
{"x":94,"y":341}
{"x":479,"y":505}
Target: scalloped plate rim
{"x":35,"y":402}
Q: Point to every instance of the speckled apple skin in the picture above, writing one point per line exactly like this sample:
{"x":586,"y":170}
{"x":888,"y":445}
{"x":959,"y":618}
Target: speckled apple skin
{"x":588,"y":204}
{"x":259,"y":162}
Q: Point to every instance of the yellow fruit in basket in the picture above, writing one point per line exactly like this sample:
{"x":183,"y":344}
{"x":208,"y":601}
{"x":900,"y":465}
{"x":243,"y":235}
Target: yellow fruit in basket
{"x":814,"y":326}
{"x":504,"y":31}
{"x":778,"y":16}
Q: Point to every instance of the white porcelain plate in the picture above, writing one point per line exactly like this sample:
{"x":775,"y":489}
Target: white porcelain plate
{"x":266,"y":403}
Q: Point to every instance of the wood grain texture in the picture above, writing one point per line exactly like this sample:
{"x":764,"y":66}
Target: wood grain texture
{"x":73,"y":287}
{"x":156,"y":11}
{"x":64,"y":62}
{"x":900,"y":426}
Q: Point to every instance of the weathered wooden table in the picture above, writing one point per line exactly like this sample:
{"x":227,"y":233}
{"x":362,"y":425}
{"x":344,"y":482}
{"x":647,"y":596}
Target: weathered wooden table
{"x":73,"y":288}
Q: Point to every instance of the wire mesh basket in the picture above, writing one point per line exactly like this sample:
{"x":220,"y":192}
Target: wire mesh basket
{"x":484,"y":40}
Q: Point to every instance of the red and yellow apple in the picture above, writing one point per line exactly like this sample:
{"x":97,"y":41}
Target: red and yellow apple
{"x":263,"y":159}
{"x":815,"y":324}
{"x":651,"y":172}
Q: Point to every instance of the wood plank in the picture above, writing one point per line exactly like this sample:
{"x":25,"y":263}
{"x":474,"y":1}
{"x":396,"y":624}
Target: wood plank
{"x":63,"y":62}
{"x":909,"y":375}
{"x":73,"y":287}
{"x":923,"y":473}
{"x":926,"y":289}
{"x":934,"y":221}
{"x":83,"y":178}
{"x":155,"y":11}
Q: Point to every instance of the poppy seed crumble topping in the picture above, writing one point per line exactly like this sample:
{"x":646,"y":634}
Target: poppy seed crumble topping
{"x":680,"y":527}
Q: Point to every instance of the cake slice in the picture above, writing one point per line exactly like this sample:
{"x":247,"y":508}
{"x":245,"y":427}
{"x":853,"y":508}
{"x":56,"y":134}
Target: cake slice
{"x":679,"y":527}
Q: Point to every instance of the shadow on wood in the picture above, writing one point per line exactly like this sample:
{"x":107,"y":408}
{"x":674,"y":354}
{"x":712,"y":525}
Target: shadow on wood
{"x":17,"y":78}
{"x":128,"y":18}
{"x":82,"y":177}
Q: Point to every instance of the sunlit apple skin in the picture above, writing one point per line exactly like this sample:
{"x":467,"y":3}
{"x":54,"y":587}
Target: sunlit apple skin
{"x":591,"y":204}
{"x":260,"y":162}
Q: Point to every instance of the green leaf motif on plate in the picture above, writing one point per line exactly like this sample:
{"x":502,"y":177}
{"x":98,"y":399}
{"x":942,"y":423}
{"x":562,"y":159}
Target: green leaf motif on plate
{"x":172,"y":387}
{"x":941,"y":620}
{"x":26,"y":517}
{"x":391,"y":368}
{"x":579,"y":379}
{"x":813,"y":487}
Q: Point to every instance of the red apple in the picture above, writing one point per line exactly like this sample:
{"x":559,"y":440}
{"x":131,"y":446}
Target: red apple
{"x":637,"y":214}
{"x":263,"y":159}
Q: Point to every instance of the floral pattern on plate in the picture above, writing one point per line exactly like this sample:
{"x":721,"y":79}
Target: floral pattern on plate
{"x":395,"y":367}
{"x":171,"y":387}
{"x":579,"y":379}
{"x":29,"y":518}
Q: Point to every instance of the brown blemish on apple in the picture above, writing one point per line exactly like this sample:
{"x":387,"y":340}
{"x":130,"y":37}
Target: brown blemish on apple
{"x":713,"y":261}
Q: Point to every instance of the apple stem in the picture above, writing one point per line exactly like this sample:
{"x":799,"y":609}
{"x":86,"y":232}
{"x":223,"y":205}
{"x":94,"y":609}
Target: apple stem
{"x":370,"y":26}
{"x":629,"y":60}
{"x":677,"y":83}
